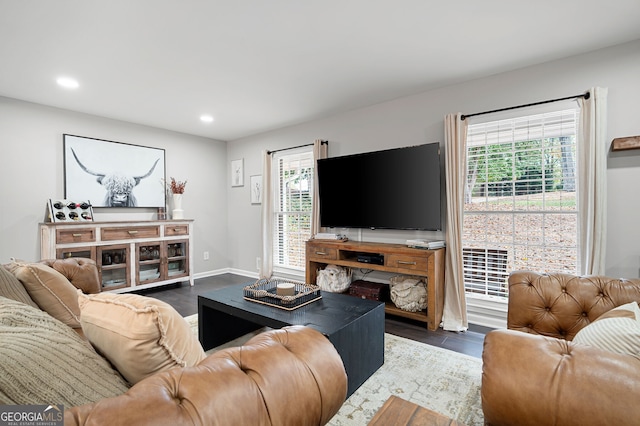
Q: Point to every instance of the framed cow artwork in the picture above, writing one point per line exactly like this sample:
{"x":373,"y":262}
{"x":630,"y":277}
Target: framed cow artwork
{"x":113,"y":174}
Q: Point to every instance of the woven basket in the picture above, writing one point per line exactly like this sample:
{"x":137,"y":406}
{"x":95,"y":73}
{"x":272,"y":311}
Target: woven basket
{"x":409,"y":293}
{"x":334,"y":279}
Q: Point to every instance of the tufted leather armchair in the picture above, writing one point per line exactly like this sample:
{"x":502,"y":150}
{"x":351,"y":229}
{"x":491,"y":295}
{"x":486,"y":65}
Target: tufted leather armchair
{"x":81,"y":272}
{"x":534,"y":375}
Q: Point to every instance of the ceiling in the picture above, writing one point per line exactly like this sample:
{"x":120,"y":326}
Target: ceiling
{"x":257,"y":65}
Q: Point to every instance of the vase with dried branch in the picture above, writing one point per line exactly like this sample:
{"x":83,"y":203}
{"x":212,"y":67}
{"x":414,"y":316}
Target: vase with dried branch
{"x":176,"y":188}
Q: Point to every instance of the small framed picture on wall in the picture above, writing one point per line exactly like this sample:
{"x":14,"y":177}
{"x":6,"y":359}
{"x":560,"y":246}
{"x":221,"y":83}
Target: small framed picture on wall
{"x":237,"y":172}
{"x":256,"y":189}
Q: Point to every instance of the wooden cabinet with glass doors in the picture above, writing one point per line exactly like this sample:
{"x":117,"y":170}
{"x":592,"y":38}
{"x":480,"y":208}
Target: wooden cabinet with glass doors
{"x":129,"y":255}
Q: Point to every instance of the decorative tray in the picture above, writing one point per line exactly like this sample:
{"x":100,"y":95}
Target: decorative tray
{"x":265,"y":291}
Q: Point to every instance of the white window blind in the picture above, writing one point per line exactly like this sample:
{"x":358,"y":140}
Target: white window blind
{"x":294,"y":192}
{"x":520,"y":207}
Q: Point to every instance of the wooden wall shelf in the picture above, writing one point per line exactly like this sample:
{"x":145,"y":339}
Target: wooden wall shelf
{"x":622,"y":144}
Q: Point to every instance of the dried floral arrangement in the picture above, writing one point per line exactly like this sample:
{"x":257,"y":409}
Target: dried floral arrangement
{"x":177,"y":187}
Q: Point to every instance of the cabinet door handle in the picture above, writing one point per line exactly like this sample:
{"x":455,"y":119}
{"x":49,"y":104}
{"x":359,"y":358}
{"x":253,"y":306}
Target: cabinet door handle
{"x":132,"y":232}
{"x":404,"y":262}
{"x":77,"y":235}
{"x":321,"y":253}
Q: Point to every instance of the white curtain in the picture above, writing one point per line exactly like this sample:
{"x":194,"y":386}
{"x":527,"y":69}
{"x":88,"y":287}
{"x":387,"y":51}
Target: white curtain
{"x":266,"y":269}
{"x":455,"y":306}
{"x":592,"y":181}
{"x":320,"y":151}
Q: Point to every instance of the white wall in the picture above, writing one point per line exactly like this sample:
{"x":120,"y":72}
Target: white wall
{"x":419,"y":119}
{"x":228,"y":225}
{"x":31,"y":172}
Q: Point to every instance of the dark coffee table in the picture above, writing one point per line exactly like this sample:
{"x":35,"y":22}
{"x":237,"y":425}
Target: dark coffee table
{"x":354,"y":326}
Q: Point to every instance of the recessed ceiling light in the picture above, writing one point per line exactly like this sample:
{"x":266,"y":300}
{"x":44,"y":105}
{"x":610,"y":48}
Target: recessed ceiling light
{"x":67,"y":82}
{"x":205,"y":118}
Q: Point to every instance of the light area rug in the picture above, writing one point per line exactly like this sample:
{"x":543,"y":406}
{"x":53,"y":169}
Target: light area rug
{"x":438,"y":379}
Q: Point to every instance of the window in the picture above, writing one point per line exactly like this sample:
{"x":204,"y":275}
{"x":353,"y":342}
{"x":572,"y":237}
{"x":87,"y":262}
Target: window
{"x":293,"y":177}
{"x":520,"y":209}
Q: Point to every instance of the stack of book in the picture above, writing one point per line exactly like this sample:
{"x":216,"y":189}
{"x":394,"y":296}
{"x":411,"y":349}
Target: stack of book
{"x":426,"y":244}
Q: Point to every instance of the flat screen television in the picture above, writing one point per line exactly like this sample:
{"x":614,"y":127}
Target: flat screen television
{"x":390,"y":189}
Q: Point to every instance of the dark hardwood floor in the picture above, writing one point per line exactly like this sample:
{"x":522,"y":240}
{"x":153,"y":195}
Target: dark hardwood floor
{"x":184,"y":299}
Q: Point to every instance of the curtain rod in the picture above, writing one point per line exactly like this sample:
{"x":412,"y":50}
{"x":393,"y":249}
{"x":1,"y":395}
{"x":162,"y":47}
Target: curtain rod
{"x":294,"y":147}
{"x":585,"y":95}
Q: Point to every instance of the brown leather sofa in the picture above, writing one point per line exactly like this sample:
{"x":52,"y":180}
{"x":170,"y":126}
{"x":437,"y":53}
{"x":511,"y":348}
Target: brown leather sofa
{"x":533,"y":374}
{"x":291,"y":376}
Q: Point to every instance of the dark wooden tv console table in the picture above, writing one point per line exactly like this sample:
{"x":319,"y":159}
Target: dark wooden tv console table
{"x":398,"y":258}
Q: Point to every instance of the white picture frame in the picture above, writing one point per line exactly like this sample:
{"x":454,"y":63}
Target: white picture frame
{"x":255,"y":183}
{"x":237,"y":172}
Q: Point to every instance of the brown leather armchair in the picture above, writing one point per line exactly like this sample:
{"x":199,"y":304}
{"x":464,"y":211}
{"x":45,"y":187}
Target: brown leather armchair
{"x":534,"y":375}
{"x":81,"y":272}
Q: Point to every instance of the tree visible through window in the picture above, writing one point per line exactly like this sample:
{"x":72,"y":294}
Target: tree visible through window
{"x":294,"y":185}
{"x":520,"y":208}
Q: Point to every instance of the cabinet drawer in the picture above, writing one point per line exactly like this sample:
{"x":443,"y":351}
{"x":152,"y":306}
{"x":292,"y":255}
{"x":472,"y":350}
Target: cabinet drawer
{"x":84,"y":235}
{"x":176,"y":230}
{"x":406,"y":262}
{"x":113,"y":234}
{"x":323,"y":253}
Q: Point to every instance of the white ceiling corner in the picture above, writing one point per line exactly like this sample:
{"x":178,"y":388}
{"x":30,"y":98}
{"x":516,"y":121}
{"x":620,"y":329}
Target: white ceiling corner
{"x":261,"y":65}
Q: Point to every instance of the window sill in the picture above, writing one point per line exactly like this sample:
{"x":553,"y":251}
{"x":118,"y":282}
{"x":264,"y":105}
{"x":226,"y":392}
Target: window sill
{"x":288,"y":273}
{"x":487,"y":311}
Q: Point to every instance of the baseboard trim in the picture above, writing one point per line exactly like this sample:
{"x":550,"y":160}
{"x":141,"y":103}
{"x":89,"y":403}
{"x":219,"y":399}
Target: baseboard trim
{"x":210,"y":273}
{"x":250,"y":274}
{"x":225,"y":271}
